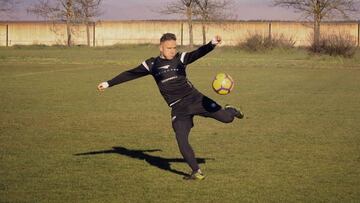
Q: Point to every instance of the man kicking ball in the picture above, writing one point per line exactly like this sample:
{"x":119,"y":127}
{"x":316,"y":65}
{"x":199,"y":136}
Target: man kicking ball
{"x":169,"y":72}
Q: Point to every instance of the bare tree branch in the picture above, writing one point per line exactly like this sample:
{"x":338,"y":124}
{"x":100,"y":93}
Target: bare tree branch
{"x":185,"y":8}
{"x":70,"y":11}
{"x":204,"y":10}
{"x":321,"y":8}
{"x":57,"y":10}
{"x":89,"y":10}
{"x":212,"y":10}
{"x":318,"y":10}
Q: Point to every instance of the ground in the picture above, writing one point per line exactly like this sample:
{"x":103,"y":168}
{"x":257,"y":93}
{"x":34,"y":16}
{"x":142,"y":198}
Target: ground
{"x":62,"y":141}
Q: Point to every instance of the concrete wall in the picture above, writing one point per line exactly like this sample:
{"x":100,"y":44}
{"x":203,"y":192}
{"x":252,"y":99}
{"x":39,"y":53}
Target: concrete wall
{"x":134,"y":32}
{"x":23,"y":33}
{"x":232,"y":32}
{"x":344,"y":29}
{"x":35,"y":33}
{"x":3,"y":34}
{"x":301,"y":33}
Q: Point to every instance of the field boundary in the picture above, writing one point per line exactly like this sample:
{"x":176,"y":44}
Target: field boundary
{"x":107,"y":33}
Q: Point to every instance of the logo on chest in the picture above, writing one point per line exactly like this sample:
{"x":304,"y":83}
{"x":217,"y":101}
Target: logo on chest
{"x":165,"y":69}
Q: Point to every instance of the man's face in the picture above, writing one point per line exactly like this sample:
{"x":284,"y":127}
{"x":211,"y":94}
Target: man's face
{"x":168,"y":49}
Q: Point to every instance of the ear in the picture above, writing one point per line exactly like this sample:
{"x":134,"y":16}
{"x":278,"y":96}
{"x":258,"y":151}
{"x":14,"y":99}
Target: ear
{"x":161,"y":48}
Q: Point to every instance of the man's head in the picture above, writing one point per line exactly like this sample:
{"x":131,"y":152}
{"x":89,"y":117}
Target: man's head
{"x":168,"y":46}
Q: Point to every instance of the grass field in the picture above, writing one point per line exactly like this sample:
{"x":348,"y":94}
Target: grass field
{"x":62,"y":141}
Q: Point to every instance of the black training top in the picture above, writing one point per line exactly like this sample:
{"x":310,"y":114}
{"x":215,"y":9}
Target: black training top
{"x":170,"y":75}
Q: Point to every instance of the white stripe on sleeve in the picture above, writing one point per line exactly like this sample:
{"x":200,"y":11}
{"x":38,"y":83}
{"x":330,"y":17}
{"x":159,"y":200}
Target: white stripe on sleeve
{"x":182,"y":57}
{"x":146,"y":66}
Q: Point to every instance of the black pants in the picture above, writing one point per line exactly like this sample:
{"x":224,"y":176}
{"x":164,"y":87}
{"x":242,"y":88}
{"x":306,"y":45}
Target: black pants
{"x":182,"y":121}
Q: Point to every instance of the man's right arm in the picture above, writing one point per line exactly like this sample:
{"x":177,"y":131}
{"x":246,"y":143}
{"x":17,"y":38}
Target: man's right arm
{"x":128,"y":75}
{"x":140,"y":71}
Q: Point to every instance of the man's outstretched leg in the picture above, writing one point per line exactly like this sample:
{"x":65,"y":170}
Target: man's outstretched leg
{"x":226,"y":114}
{"x":182,"y":129}
{"x":234,"y":111}
{"x":211,"y":109}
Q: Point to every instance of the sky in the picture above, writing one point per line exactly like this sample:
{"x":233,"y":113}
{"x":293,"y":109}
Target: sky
{"x":147,"y":10}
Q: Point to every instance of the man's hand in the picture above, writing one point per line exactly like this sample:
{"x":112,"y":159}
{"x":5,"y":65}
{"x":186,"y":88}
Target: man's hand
{"x":102,"y":86}
{"x":216,"y":40}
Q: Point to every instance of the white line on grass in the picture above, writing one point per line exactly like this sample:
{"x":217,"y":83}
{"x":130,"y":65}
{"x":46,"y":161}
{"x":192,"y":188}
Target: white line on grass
{"x":49,"y":71}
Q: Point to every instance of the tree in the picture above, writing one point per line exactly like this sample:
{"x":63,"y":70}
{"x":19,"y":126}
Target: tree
{"x":56,"y":10}
{"x":318,"y":10}
{"x":207,"y":10}
{"x":89,"y":9}
{"x":183,"y":7}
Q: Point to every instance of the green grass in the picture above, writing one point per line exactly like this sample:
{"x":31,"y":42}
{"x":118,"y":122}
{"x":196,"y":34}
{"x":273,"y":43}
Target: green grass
{"x":300,"y":142}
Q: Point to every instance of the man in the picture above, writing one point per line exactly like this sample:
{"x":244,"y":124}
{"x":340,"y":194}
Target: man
{"x":169,"y":72}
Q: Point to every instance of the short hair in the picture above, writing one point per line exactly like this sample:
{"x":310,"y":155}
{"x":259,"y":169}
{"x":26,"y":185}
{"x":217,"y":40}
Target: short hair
{"x":167,"y":37}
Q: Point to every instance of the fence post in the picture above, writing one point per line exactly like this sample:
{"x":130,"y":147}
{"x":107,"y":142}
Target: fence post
{"x":182,"y":33}
{"x":359,"y":34}
{"x":270,"y":30}
{"x":7,"y":35}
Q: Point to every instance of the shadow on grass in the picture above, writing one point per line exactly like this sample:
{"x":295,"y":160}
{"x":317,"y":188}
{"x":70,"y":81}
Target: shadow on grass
{"x":157,"y":161}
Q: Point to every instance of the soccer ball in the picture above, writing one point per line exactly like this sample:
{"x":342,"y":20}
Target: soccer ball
{"x":223,"y":84}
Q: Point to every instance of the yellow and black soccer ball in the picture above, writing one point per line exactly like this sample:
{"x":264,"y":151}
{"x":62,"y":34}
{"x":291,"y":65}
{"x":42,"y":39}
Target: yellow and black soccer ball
{"x":223,"y":84}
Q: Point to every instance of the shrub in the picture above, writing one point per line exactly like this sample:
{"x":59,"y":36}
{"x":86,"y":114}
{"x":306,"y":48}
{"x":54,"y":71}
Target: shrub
{"x":336,"y":45}
{"x":254,"y":43}
{"x":257,"y":42}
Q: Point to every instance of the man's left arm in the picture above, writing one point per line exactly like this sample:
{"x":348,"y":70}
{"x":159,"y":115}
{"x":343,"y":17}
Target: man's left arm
{"x":187,"y":58}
